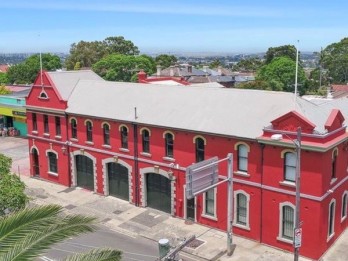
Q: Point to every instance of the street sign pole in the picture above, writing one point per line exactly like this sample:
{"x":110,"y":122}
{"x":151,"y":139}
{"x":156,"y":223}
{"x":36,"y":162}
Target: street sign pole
{"x":229,"y":205}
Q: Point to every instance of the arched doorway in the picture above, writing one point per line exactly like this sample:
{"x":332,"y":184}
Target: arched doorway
{"x":118,"y":180}
{"x":84,"y":171}
{"x":35,"y":160}
{"x":158,"y":189}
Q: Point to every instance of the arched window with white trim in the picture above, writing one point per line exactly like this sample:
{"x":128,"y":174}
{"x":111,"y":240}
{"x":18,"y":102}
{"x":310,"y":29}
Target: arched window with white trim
{"x":89,"y":131}
{"x":106,"y":134}
{"x":344,"y":205}
{"x":52,"y":162}
{"x":331,"y":218}
{"x":286,"y":222}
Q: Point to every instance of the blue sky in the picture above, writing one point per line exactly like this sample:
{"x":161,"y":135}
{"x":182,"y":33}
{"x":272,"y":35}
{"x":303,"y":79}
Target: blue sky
{"x":160,"y":26}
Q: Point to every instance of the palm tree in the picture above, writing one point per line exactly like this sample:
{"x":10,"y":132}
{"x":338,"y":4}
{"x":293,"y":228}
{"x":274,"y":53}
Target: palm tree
{"x":26,"y":234}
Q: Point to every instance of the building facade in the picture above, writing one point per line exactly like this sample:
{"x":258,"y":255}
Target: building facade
{"x":134,"y":141}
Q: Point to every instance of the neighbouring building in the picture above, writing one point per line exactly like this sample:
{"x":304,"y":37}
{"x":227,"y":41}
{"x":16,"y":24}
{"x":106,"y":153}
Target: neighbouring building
{"x":134,"y":141}
{"x":12,"y":111}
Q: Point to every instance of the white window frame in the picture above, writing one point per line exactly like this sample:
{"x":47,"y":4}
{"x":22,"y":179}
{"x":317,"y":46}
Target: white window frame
{"x":49,"y":163}
{"x":247,"y":225}
{"x":204,"y":213}
{"x":280,"y":232}
{"x":329,"y":236}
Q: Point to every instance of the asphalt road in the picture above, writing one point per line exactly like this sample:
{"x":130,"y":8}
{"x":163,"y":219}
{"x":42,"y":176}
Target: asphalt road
{"x":133,"y":249}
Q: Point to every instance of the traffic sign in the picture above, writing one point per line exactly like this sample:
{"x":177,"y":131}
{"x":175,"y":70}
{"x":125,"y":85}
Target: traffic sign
{"x":297,"y":237}
{"x":200,"y":176}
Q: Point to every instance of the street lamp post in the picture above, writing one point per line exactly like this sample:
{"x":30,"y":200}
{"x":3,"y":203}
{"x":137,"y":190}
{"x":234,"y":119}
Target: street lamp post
{"x":298,"y":186}
{"x":297,"y":226}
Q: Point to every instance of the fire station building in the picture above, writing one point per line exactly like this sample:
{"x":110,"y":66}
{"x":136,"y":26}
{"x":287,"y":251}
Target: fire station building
{"x":134,"y":141}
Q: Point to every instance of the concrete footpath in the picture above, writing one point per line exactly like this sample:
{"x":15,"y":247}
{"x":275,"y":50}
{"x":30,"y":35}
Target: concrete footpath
{"x":120,"y":216}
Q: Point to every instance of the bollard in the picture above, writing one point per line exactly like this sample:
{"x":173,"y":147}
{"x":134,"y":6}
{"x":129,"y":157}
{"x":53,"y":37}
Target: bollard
{"x":164,"y":247}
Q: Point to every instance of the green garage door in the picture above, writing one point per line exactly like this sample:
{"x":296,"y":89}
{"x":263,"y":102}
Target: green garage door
{"x":158,"y":192}
{"x":118,"y":180}
{"x":84,"y":170}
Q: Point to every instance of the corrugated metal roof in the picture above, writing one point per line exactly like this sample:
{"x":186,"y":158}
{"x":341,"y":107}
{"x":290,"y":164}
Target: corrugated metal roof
{"x":65,"y":81}
{"x":232,"y":112}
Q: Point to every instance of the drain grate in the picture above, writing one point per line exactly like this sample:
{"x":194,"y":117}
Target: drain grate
{"x":41,"y":196}
{"x":195,"y":243}
{"x":117,"y":212}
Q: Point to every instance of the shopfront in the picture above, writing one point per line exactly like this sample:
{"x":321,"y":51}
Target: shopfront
{"x":12,"y":116}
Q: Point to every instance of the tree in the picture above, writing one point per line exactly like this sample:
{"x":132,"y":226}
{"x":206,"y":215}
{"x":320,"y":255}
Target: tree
{"x":12,"y":195}
{"x":3,"y":78}
{"x":165,"y":60}
{"x":248,"y":65}
{"x":27,"y":71}
{"x":334,"y":58}
{"x":88,"y":53}
{"x":215,"y":64}
{"x":4,"y":90}
{"x":26,"y":234}
{"x":280,"y":51}
{"x":280,"y":74}
{"x":124,"y":68}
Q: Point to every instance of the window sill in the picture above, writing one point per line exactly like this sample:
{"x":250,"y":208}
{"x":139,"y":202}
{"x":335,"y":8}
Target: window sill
{"x":58,"y":137}
{"x":285,"y":240}
{"x":46,"y":134}
{"x":242,"y":174}
{"x":209,"y":217}
{"x":245,"y":227}
{"x":53,"y":174}
{"x":74,"y":140}
{"x":168,"y":159}
{"x":106,"y":146}
{"x":343,"y":218}
{"x":89,"y":142}
{"x":333,"y":181}
{"x":34,"y":132}
{"x":288,"y":184}
{"x":145,"y":154}
{"x":330,"y":237}
{"x":124,"y":150}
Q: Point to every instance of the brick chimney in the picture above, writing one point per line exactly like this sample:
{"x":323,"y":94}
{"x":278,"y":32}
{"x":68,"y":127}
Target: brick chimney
{"x":142,"y":76}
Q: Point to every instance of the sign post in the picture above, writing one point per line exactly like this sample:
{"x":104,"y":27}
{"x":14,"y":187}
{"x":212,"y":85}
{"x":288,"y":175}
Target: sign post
{"x":298,"y":237}
{"x":202,"y":176}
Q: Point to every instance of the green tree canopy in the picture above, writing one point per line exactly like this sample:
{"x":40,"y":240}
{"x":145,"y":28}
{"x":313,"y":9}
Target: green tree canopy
{"x":165,"y":60}
{"x":4,"y":90}
{"x":26,"y":234}
{"x":249,"y":65}
{"x":88,"y":53}
{"x":123,"y":68}
{"x":27,"y":71}
{"x":3,"y":78}
{"x":280,"y":51}
{"x":334,"y":58}
{"x":12,"y":195}
{"x":280,"y":75}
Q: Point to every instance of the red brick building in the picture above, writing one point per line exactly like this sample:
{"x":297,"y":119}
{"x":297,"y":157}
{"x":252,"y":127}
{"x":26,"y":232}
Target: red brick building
{"x":134,"y":141}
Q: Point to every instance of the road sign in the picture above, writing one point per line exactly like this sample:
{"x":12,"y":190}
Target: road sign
{"x":298,"y":237}
{"x":200,"y":176}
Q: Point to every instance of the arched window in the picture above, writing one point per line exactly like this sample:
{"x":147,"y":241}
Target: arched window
{"x":287,"y":222}
{"x":89,"y":131}
{"x":73,"y":124}
{"x":333,"y":164}
{"x":106,"y":134}
{"x":331,"y":221}
{"x":241,"y":209}
{"x":169,"y":145}
{"x":290,"y":166}
{"x":146,"y":140}
{"x":242,"y":158}
{"x":124,"y":137}
{"x":199,"y":149}
{"x":52,"y":162}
